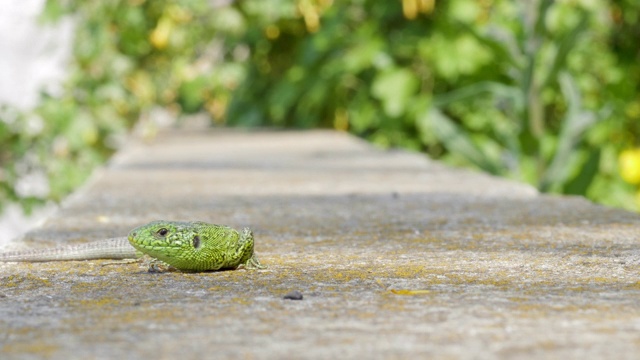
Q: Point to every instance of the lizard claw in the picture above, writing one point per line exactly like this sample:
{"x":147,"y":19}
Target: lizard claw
{"x":253,"y":263}
{"x":156,"y":266}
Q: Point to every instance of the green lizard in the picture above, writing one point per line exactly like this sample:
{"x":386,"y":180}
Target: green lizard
{"x":186,"y":246}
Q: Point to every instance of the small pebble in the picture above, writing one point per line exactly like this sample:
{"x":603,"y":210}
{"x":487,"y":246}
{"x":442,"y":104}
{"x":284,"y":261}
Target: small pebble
{"x":294,"y":295}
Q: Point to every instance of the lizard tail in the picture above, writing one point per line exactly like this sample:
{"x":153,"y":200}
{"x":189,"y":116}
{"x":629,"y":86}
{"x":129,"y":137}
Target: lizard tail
{"x":114,"y":248}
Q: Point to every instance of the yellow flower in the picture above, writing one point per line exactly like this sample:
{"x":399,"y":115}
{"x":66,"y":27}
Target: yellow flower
{"x":411,"y":8}
{"x":629,"y":161}
{"x":160,"y":35}
{"x":272,"y":31}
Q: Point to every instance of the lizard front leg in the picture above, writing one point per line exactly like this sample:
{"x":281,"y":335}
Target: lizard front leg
{"x":248,"y":258}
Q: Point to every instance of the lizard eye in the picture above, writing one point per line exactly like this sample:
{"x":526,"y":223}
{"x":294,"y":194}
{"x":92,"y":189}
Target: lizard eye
{"x":163,"y":232}
{"x":196,"y":241}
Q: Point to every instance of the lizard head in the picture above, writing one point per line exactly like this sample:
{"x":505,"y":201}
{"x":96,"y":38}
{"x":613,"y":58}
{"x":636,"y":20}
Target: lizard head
{"x":188,"y":246}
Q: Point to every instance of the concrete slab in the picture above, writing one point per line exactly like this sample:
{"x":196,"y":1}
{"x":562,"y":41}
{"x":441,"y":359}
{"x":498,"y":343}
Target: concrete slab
{"x":396,"y":256}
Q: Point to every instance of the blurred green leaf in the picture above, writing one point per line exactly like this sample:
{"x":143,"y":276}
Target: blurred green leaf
{"x":455,"y":139}
{"x":515,"y":88}
{"x":588,"y":170}
{"x":191,"y":94}
{"x":394,"y":88}
{"x":577,"y":121}
{"x":563,"y":47}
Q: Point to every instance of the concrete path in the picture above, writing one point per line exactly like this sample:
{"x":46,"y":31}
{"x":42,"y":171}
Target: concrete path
{"x":396,"y":257}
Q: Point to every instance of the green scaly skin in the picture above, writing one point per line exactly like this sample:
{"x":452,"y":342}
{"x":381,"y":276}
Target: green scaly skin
{"x":196,"y":246}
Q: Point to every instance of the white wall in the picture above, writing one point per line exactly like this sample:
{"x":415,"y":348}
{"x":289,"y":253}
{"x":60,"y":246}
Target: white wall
{"x":33,"y":56}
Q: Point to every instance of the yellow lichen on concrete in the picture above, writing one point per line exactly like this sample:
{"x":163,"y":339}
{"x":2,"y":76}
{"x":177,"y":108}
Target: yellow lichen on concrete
{"x":24,"y":282}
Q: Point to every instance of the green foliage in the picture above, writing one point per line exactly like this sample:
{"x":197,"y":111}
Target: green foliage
{"x":539,"y":91}
{"x":527,"y":90}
